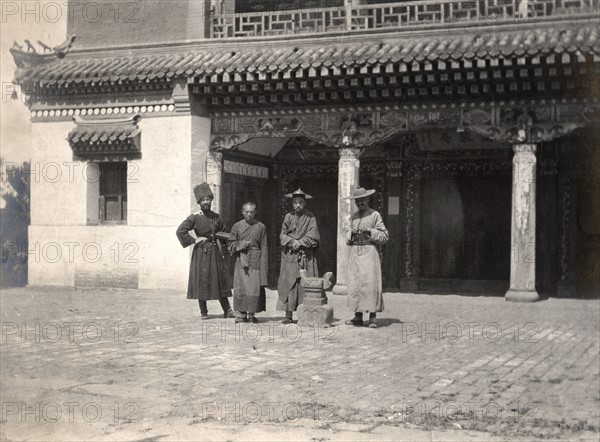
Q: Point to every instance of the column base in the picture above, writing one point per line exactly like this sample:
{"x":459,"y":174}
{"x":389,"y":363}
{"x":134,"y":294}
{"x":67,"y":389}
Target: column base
{"x":522,"y":295}
{"x":340,"y":289}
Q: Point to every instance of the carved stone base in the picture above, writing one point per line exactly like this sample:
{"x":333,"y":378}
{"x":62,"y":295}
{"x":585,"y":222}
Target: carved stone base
{"x":311,"y":316}
{"x":340,"y":289}
{"x":314,"y":311}
{"x":522,"y":295}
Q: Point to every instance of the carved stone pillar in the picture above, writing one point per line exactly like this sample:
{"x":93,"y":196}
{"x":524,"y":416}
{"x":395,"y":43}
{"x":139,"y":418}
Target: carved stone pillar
{"x":348,"y":173}
{"x":522,"y":265}
{"x":214,"y":177}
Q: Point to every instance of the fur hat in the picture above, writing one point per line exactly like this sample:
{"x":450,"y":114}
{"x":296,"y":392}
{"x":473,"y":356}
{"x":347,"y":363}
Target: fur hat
{"x":201,"y":190}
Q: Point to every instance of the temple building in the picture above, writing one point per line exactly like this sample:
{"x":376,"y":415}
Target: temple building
{"x":475,"y":121}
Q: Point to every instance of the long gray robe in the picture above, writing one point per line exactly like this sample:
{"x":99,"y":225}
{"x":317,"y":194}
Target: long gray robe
{"x":251,"y":266}
{"x":365,"y":293}
{"x":302,"y":228}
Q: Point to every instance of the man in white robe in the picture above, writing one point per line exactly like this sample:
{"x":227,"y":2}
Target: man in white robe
{"x":365,"y":233}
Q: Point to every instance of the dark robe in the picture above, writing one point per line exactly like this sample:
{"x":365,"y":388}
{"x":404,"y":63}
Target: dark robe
{"x":303,"y":228}
{"x":251,"y":266}
{"x":209,"y":274}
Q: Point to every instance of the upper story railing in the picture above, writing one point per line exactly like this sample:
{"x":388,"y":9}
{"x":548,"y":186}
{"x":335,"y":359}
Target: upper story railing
{"x":397,"y":15}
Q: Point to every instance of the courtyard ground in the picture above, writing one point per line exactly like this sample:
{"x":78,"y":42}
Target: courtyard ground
{"x":141,"y":365}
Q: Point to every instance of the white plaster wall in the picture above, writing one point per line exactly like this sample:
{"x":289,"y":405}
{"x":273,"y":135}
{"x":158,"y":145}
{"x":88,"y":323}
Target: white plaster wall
{"x":159,"y":189}
{"x":56,"y":254}
{"x":158,"y":185}
{"x":58,"y":184}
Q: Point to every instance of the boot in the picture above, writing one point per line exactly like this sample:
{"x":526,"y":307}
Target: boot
{"x":288,"y":318}
{"x":373,"y":320}
{"x":357,"y":321}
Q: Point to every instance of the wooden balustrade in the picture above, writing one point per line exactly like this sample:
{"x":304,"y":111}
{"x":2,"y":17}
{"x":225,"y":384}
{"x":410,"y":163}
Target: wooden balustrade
{"x":390,"y":15}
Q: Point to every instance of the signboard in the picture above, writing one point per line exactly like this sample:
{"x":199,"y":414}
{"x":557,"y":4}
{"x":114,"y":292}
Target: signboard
{"x":245,"y":169}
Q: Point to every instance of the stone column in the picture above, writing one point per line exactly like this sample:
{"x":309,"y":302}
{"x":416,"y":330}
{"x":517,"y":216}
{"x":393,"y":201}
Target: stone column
{"x":522,"y":265}
{"x":348,"y":174}
{"x":214,"y":177}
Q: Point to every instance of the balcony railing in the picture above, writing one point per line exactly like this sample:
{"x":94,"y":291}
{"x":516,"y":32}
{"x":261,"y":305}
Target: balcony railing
{"x":389,"y":15}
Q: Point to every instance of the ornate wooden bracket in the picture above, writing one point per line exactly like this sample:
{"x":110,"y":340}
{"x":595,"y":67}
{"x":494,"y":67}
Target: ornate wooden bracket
{"x":531,"y":124}
{"x":358,"y":129}
{"x":225,"y":142}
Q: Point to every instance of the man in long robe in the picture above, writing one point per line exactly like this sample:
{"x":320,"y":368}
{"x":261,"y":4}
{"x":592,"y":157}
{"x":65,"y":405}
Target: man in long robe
{"x":299,"y":242}
{"x":365,"y":233}
{"x":209,"y":276}
{"x":248,"y":243}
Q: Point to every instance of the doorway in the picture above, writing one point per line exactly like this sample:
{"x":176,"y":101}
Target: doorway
{"x":322,"y":186}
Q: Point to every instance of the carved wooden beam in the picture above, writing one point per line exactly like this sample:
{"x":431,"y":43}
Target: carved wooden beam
{"x":346,"y":128}
{"x":364,"y":126}
{"x":532,"y":124}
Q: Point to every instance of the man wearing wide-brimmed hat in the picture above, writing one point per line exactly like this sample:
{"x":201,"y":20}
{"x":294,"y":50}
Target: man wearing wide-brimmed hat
{"x":299,"y":242}
{"x":365,"y":233}
{"x":209,"y":276}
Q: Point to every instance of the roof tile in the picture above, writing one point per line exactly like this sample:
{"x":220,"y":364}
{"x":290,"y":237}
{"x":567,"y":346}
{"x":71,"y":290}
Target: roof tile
{"x":288,"y":58}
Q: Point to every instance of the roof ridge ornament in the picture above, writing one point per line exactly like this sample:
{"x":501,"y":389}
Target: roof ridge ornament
{"x":30,"y":56}
{"x":63,"y":49}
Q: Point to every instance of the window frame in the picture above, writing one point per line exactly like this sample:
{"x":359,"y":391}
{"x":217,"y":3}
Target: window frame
{"x":121,"y":195}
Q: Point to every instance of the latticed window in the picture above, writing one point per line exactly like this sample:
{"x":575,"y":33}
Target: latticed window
{"x":282,"y":5}
{"x":113,"y":192}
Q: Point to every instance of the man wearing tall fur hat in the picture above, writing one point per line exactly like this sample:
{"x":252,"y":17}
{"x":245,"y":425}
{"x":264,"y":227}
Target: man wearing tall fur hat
{"x":299,"y":242}
{"x":365,"y":233}
{"x":209,"y":274}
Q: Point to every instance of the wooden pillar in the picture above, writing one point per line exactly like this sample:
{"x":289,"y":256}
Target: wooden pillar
{"x":348,"y":174}
{"x":522,"y":265}
{"x":214,"y":177}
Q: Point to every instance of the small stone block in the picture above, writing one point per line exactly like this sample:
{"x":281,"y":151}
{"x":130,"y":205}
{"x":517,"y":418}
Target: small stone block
{"x":312,"y":283}
{"x":315,"y":302}
{"x":314,"y":316}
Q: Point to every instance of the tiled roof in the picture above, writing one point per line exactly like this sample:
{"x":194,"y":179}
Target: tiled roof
{"x":270,"y":58}
{"x":105,"y":137}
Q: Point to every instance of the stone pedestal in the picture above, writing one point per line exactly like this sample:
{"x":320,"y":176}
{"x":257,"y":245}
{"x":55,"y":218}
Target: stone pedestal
{"x":314,"y":311}
{"x":214,"y":177}
{"x":348,"y":173}
{"x":522,"y":265}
